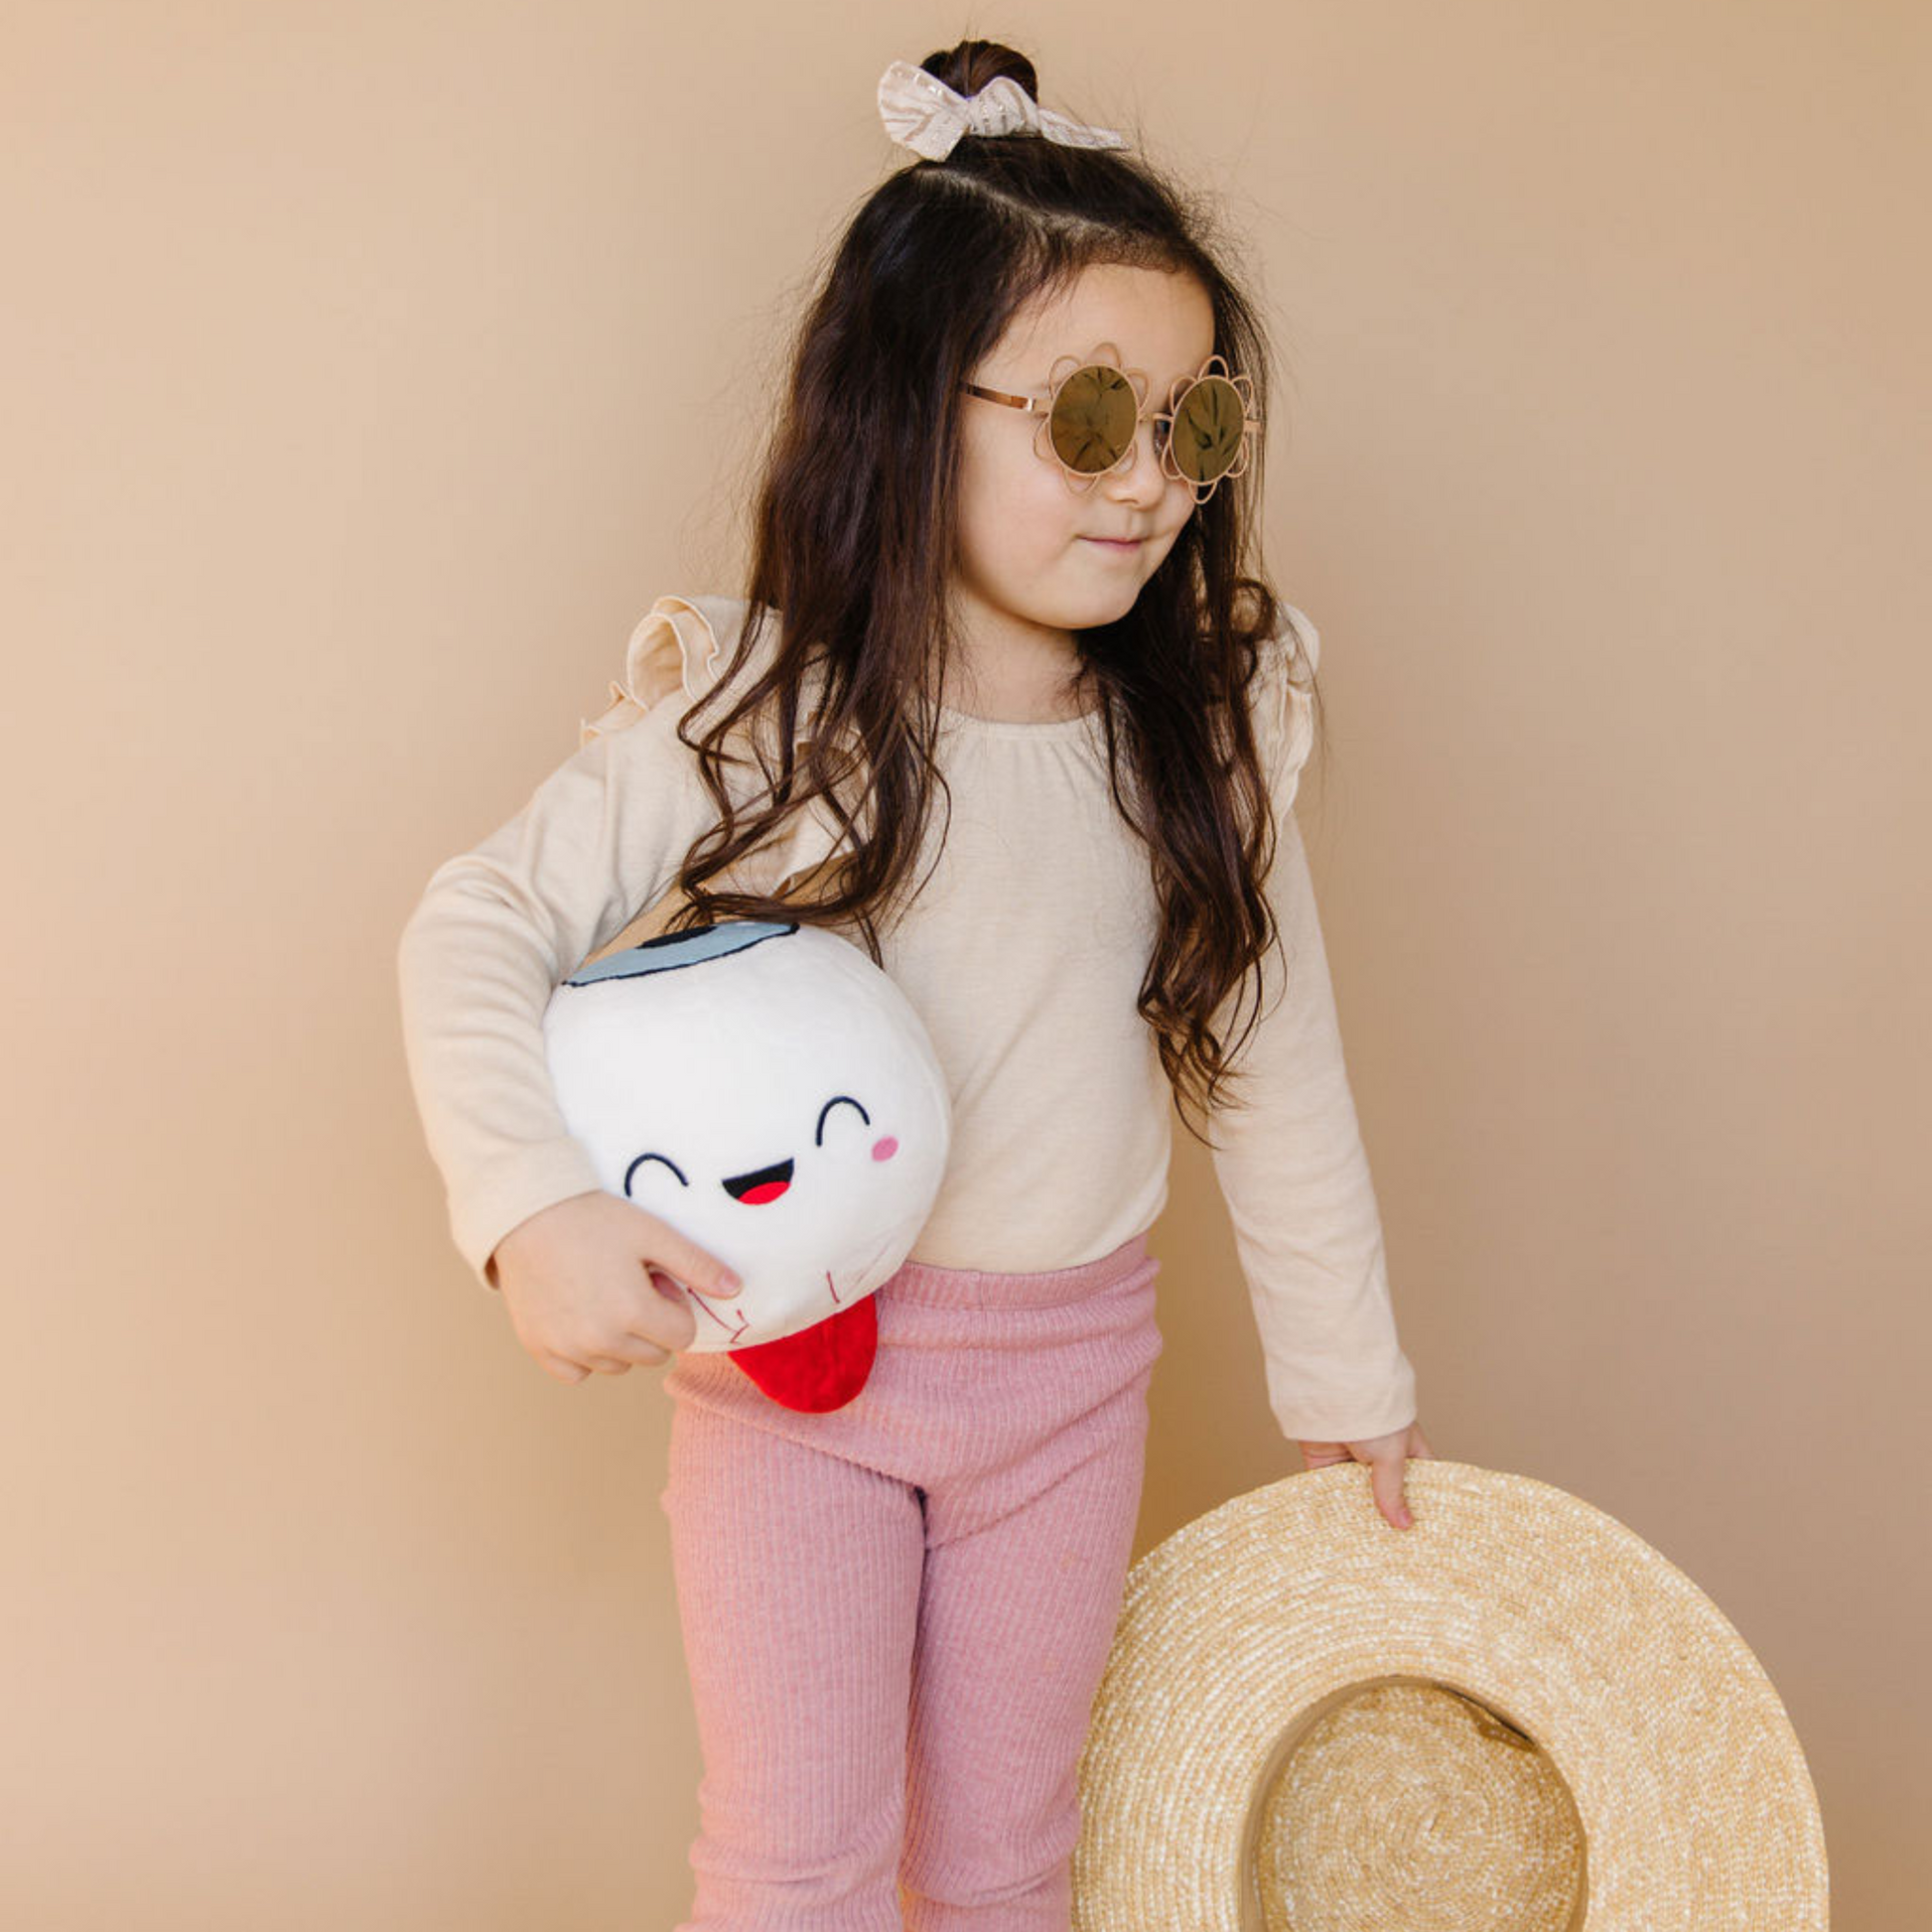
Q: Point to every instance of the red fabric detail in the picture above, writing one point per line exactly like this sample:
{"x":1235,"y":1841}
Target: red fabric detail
{"x":821,"y":1367}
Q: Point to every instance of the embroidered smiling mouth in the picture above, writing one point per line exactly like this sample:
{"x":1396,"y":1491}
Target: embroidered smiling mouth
{"x":760,"y":1184}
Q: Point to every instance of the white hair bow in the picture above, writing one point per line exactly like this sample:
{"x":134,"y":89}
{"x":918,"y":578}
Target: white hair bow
{"x":922,"y":114}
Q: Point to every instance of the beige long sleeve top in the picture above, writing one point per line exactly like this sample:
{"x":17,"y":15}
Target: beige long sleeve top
{"x":1021,"y":954}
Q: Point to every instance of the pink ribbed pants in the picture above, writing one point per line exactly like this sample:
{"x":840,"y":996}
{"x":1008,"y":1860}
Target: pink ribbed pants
{"x":895,"y":1614}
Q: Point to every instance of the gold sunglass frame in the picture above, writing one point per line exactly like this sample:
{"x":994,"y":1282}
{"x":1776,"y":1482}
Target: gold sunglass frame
{"x":1106,"y":357}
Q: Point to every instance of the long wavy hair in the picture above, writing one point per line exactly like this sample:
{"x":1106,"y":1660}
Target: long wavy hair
{"x":854,"y":530}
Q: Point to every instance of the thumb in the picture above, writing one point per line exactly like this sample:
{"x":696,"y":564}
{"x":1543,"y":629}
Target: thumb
{"x":702,"y":1273}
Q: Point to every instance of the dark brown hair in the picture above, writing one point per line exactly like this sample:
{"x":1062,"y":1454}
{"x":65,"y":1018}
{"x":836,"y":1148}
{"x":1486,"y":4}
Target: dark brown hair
{"x":853,"y":536}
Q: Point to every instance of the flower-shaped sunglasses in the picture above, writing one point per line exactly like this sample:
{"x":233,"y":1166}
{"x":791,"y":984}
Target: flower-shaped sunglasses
{"x":1093,"y":410}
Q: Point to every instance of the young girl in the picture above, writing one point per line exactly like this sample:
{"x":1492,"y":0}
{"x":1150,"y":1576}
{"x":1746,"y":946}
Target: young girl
{"x":1000,"y":705}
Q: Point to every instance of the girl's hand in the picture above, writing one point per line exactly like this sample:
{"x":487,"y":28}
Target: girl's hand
{"x":581,"y":1281}
{"x":1385,"y":1456}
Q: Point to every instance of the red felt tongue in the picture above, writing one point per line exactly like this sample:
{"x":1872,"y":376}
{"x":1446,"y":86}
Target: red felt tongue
{"x":819,"y":1368}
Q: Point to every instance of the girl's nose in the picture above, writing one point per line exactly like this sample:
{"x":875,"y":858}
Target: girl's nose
{"x":1143,"y":480}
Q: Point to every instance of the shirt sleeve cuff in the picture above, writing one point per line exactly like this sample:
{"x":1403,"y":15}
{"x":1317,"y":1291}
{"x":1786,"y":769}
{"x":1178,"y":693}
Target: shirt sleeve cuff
{"x":509,"y":1190}
{"x":1347,"y":1418}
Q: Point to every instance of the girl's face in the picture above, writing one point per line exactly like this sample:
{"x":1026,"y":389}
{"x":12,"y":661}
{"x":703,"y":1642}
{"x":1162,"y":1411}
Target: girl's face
{"x":1030,"y":560}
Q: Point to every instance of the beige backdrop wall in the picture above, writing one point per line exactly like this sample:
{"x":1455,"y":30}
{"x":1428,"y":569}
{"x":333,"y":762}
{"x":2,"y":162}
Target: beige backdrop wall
{"x":371,"y":368}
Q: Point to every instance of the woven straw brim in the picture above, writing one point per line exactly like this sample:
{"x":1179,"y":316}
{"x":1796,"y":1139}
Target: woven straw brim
{"x":1516,"y":1714}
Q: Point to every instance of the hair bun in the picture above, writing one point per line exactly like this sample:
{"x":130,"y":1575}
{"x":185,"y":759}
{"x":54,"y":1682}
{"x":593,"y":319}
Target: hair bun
{"x":968,"y":67}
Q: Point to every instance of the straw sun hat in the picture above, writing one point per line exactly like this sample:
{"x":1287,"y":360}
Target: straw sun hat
{"x":1514,"y":1716}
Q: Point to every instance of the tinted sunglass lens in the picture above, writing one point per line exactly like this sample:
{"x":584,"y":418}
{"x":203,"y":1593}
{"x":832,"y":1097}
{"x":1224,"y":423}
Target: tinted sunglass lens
{"x":1094,"y":417}
{"x":1207,"y":430}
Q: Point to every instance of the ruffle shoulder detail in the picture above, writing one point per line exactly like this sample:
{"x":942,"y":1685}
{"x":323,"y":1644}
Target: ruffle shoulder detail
{"x":680,"y":646}
{"x":1282,"y":704}
{"x":678,"y":652}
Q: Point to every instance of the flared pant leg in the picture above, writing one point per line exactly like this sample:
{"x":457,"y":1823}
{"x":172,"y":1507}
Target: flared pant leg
{"x":895,"y":1615}
{"x":799,"y":1578}
{"x":1015,"y":1623}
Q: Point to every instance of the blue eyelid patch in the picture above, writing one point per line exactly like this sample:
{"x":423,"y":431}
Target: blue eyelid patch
{"x":672,"y":950}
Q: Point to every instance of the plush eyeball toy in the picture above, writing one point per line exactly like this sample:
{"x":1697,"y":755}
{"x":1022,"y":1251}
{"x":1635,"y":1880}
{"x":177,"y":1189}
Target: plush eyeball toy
{"x":771,"y":1094}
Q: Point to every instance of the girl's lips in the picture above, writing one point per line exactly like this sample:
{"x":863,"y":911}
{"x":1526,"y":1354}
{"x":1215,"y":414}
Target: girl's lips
{"x":1114,"y":543}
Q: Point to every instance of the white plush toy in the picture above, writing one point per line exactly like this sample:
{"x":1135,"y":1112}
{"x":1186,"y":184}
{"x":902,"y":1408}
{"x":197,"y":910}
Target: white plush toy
{"x":771,"y":1094}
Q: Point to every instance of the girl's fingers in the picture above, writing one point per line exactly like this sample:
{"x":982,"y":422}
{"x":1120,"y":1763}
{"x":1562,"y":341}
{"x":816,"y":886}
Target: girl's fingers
{"x":1386,"y":1481}
{"x":1384,"y":1466}
{"x":649,"y":1355}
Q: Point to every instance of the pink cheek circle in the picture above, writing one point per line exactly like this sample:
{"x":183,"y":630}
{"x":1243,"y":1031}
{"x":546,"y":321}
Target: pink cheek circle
{"x":884,"y":1150}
